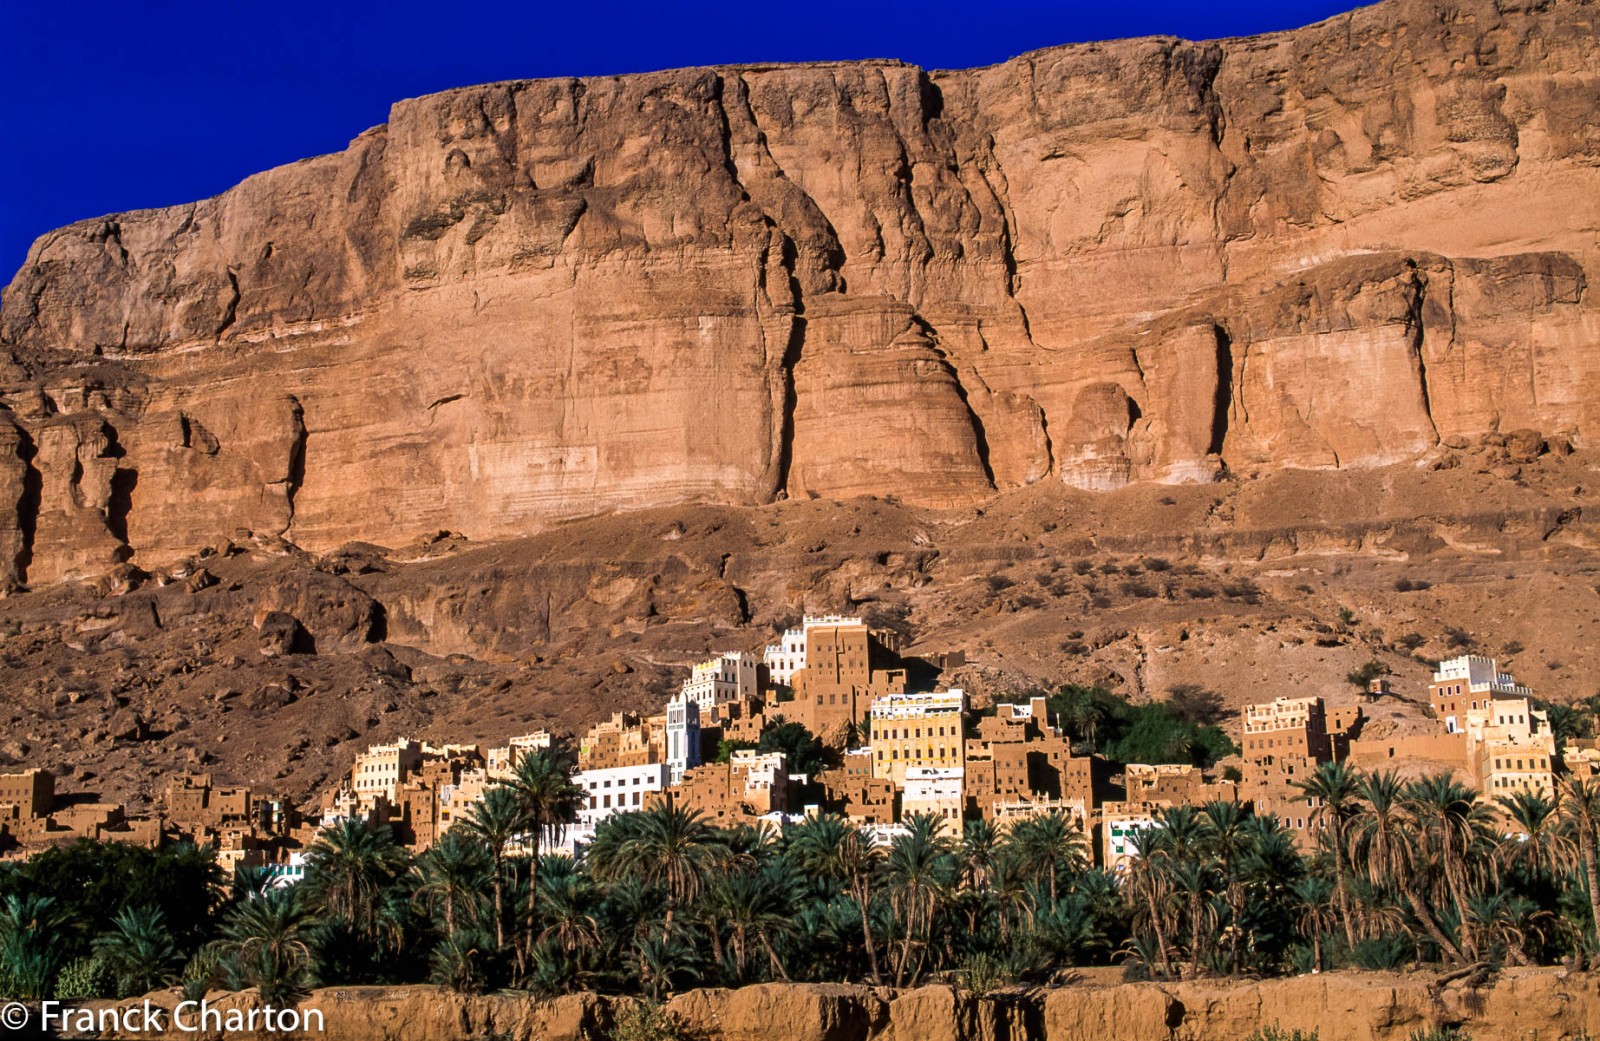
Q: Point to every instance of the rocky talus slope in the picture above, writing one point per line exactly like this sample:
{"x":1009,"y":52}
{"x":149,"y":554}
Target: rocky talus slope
{"x":270,"y":665}
{"x":1141,"y":261}
{"x":1522,"y":1005}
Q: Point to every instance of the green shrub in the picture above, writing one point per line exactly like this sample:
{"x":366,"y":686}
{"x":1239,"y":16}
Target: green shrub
{"x":1362,"y":678}
{"x":1277,"y":1033}
{"x":647,"y":1021}
{"x":84,"y":979}
{"x":1439,"y":1034}
{"x":982,"y":974}
{"x":1382,"y":953}
{"x":204,"y":973}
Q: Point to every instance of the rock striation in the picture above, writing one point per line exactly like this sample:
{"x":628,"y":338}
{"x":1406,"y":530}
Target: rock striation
{"x":1142,"y":261}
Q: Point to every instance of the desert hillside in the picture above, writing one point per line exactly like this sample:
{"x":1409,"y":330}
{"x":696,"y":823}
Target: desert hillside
{"x":1280,"y":585}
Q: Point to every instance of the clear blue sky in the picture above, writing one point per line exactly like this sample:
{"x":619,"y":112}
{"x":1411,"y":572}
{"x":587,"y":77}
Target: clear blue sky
{"x":118,"y":106}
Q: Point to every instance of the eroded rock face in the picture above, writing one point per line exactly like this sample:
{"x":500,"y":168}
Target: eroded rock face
{"x":1147,"y":260}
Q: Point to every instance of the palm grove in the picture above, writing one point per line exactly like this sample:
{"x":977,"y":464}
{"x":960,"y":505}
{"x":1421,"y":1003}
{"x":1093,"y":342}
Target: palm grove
{"x":1418,"y":871}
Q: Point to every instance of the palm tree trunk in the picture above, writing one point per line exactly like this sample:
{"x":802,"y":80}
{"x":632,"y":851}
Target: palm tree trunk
{"x":1591,"y":870}
{"x":1458,"y":897}
{"x":1424,"y":916}
{"x":1195,"y":939}
{"x":772,"y":956}
{"x":862,"y":898}
{"x":1161,"y":938}
{"x":533,"y":894}
{"x":1341,"y":887}
{"x":716,"y":943}
{"x":1236,"y":909}
{"x":499,"y":905}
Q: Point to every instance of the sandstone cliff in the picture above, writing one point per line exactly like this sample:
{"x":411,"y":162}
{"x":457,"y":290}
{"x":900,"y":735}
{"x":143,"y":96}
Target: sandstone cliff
{"x":1543,"y":1004}
{"x":1148,"y":260}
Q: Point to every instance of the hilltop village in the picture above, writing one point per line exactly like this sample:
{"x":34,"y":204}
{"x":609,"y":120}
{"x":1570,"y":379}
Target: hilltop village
{"x":739,"y":744}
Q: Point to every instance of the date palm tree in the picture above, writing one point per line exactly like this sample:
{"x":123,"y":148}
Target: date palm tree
{"x":832,"y":848}
{"x":919,"y":872}
{"x":1454,"y":825}
{"x":139,"y":951}
{"x":1080,"y":712}
{"x":752,"y":904}
{"x":449,"y":878}
{"x":1504,"y":921}
{"x":1149,"y":891}
{"x":1191,"y":882}
{"x":1334,"y":788}
{"x":1387,"y":841}
{"x":547,"y":801}
{"x":1047,"y":845}
{"x":350,"y":868}
{"x":980,"y":841}
{"x":1580,"y":808}
{"x":28,"y":955}
{"x":1538,"y":842}
{"x":266,"y":943}
{"x":1318,"y":912}
{"x":1227,"y":842}
{"x":664,"y":845}
{"x":495,"y":821}
{"x":568,"y":897}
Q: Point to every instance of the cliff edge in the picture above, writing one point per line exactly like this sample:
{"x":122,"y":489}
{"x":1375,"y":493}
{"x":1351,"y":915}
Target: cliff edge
{"x":1149,"y":260}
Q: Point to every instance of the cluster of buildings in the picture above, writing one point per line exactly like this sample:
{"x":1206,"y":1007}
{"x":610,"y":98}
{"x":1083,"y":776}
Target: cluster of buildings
{"x":1484,"y":730}
{"x":31,"y":814}
{"x":241,"y":825}
{"x":907,"y":752}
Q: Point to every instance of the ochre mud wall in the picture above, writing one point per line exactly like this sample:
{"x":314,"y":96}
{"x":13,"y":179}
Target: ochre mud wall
{"x":1521,"y":1005}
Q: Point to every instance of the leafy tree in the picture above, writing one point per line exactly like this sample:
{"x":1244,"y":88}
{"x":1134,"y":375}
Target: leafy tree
{"x":727,"y":746}
{"x":1362,"y":678}
{"x":1153,"y":733}
{"x":804,"y":753}
{"x":92,"y":882}
{"x":1195,"y":704}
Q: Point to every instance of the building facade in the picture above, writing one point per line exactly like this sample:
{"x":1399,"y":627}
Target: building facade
{"x":917,"y":730}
